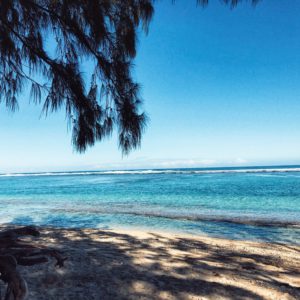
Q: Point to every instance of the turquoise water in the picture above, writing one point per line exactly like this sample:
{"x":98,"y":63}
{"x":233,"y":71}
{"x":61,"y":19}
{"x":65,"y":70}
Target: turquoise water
{"x":258,"y":203}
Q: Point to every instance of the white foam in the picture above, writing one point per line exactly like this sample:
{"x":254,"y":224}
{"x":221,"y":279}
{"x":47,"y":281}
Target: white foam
{"x":161,"y":171}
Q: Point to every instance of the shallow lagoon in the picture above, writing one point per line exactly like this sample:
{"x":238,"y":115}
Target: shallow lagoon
{"x":242,"y":203}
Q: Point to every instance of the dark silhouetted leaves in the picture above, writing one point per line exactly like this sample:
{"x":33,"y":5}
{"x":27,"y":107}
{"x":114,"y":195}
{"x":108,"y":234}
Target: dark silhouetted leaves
{"x":44,"y":44}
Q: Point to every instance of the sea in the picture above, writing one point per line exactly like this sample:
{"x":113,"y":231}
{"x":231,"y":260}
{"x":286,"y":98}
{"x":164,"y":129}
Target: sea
{"x":245,"y":203}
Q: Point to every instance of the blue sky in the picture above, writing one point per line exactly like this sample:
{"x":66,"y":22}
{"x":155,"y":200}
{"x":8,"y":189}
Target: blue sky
{"x":221,"y":87}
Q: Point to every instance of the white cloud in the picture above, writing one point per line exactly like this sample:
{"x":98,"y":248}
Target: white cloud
{"x":240,"y":161}
{"x":144,"y":163}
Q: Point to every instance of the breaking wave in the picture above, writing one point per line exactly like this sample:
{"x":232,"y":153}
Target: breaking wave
{"x":160,"y":171}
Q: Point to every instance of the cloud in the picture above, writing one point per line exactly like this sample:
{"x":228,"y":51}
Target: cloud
{"x":241,"y":161}
{"x":144,"y":163}
{"x":187,"y":163}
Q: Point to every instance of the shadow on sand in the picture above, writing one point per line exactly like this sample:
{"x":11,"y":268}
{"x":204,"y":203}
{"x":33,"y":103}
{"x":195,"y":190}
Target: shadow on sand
{"x":111,"y":265}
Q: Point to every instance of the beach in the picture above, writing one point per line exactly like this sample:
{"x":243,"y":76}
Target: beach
{"x":230,"y":233}
{"x":258,"y":204}
{"x":139,"y":264}
{"x":170,"y":169}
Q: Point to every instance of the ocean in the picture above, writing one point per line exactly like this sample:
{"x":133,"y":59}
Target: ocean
{"x":253,"y":203}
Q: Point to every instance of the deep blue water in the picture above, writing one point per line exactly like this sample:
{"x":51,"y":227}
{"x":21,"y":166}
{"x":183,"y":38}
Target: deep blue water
{"x":258,"y":203}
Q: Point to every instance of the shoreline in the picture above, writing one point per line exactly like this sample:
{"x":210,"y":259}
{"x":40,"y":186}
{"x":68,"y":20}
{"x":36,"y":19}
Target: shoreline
{"x":140,"y":230}
{"x":143,"y":264}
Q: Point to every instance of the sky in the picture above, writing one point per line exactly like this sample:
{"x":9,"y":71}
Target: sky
{"x":220,"y":86}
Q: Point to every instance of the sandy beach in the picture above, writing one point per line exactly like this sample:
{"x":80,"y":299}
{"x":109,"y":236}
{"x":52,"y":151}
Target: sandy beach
{"x":124,"y":264}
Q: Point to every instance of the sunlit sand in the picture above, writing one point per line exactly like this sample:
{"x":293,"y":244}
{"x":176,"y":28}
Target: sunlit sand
{"x":124,"y":264}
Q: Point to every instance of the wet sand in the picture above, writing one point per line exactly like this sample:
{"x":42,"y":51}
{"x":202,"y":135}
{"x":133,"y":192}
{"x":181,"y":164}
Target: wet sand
{"x":124,"y":264}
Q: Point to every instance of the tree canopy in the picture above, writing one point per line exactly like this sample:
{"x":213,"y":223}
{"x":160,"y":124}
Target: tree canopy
{"x":103,"y":32}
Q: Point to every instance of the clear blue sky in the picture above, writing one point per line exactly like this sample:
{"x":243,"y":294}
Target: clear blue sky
{"x":221,"y":87}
